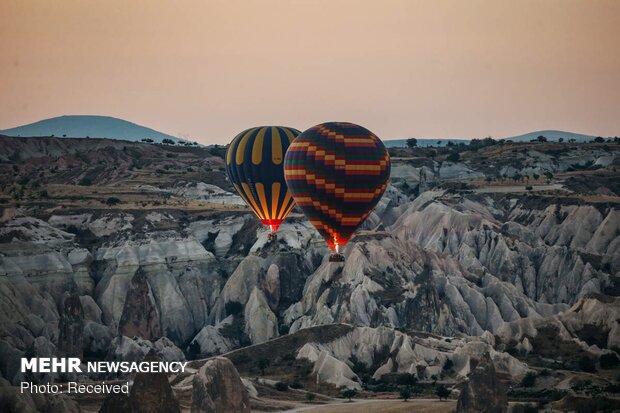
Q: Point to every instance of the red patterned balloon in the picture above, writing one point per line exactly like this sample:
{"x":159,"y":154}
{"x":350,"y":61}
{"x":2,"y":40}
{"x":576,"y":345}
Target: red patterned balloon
{"x":337,"y":173}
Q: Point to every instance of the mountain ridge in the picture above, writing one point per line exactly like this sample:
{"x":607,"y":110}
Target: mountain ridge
{"x":93,"y":126}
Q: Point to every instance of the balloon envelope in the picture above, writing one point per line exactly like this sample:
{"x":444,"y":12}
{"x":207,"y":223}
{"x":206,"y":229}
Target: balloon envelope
{"x":254,"y":164}
{"x":337,"y":173}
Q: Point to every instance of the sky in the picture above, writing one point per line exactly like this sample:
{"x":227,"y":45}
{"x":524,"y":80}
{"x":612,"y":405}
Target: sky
{"x":206,"y":70}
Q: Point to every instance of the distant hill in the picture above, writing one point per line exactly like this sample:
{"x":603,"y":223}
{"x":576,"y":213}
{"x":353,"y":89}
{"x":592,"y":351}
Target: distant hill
{"x":81,"y":126}
{"x":423,"y":142}
{"x":552,"y":135}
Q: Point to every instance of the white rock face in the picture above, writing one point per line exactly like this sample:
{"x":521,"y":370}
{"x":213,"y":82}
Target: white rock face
{"x":595,"y":310}
{"x":111,"y":224}
{"x":211,"y":341}
{"x":261,"y":323}
{"x":181,"y":275}
{"x":208,"y":192}
{"x":422,"y":356}
{"x":224,"y":231}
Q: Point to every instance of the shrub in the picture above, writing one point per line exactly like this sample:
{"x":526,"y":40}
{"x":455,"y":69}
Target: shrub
{"x":112,"y":201}
{"x":405,"y":393}
{"x":448,"y":365}
{"x":442,"y":392}
{"x":412,"y":142}
{"x":609,"y":361}
{"x":587,"y":364}
{"x":349,"y":394}
{"x":529,"y":380}
{"x":406,"y":379}
{"x":310,"y":396}
{"x":262,"y":364}
{"x":454,"y":157}
{"x":85,"y":182}
{"x":296,"y":385}
{"x":233,"y":307}
{"x":281,"y":386}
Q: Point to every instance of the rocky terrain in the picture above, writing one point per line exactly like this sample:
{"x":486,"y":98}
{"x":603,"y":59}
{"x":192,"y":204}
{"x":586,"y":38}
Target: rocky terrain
{"x":506,"y":252}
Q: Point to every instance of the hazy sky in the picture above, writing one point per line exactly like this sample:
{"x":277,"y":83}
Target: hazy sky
{"x":209,"y":69}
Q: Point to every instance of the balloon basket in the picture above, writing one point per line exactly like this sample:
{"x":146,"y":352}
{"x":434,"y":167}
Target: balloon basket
{"x":336,"y":257}
{"x":272,"y":237}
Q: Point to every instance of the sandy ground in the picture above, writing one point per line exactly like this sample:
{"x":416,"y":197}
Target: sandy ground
{"x":384,"y":406}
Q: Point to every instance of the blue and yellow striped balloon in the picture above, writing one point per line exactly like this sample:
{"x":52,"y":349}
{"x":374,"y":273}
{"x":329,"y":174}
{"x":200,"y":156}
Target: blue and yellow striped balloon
{"x":254,"y":163}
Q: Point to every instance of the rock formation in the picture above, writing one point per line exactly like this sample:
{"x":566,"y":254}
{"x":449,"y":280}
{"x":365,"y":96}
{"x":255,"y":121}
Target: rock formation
{"x":483,"y":393}
{"x":150,"y":393}
{"x":140,"y":317}
{"x":71,"y":327}
{"x":217,"y":388}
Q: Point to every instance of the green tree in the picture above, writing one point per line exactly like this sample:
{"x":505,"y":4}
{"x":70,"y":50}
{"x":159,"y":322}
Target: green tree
{"x":262,"y":364}
{"x":281,"y":386}
{"x":609,"y":361}
{"x":405,"y":393}
{"x":349,"y":394}
{"x":587,"y":364}
{"x":442,"y":392}
{"x":448,"y":365}
{"x":112,"y":201}
{"x":406,"y":379}
{"x":310,"y":396}
{"x":453,"y":157}
{"x":412,"y":143}
{"x":529,"y":379}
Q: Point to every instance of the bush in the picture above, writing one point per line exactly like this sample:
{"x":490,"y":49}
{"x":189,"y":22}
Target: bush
{"x":296,"y":385}
{"x":310,"y":396}
{"x":85,"y":182}
{"x":349,"y":394}
{"x":233,"y":307}
{"x":448,"y":365}
{"x":406,"y":379}
{"x":112,"y":201}
{"x":262,"y":364}
{"x":412,"y":142}
{"x":609,"y":361}
{"x":454,"y":157}
{"x":524,"y":408}
{"x":442,"y":392}
{"x":405,"y":393}
{"x":529,"y":187}
{"x":587,"y":364}
{"x":529,"y":380}
{"x":281,"y":386}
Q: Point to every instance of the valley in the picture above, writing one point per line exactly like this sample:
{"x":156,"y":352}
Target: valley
{"x":495,"y":257}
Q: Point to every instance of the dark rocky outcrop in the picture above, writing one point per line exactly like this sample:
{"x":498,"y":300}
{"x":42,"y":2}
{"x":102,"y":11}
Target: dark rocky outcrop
{"x":71,"y":326}
{"x":140,"y":318}
{"x":483,"y":393}
{"x":150,"y":393}
{"x":217,"y":388}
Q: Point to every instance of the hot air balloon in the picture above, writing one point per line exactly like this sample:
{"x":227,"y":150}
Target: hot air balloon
{"x":254,"y":167}
{"x":337,"y":173}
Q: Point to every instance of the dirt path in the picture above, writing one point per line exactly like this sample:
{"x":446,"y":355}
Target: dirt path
{"x":382,"y":405}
